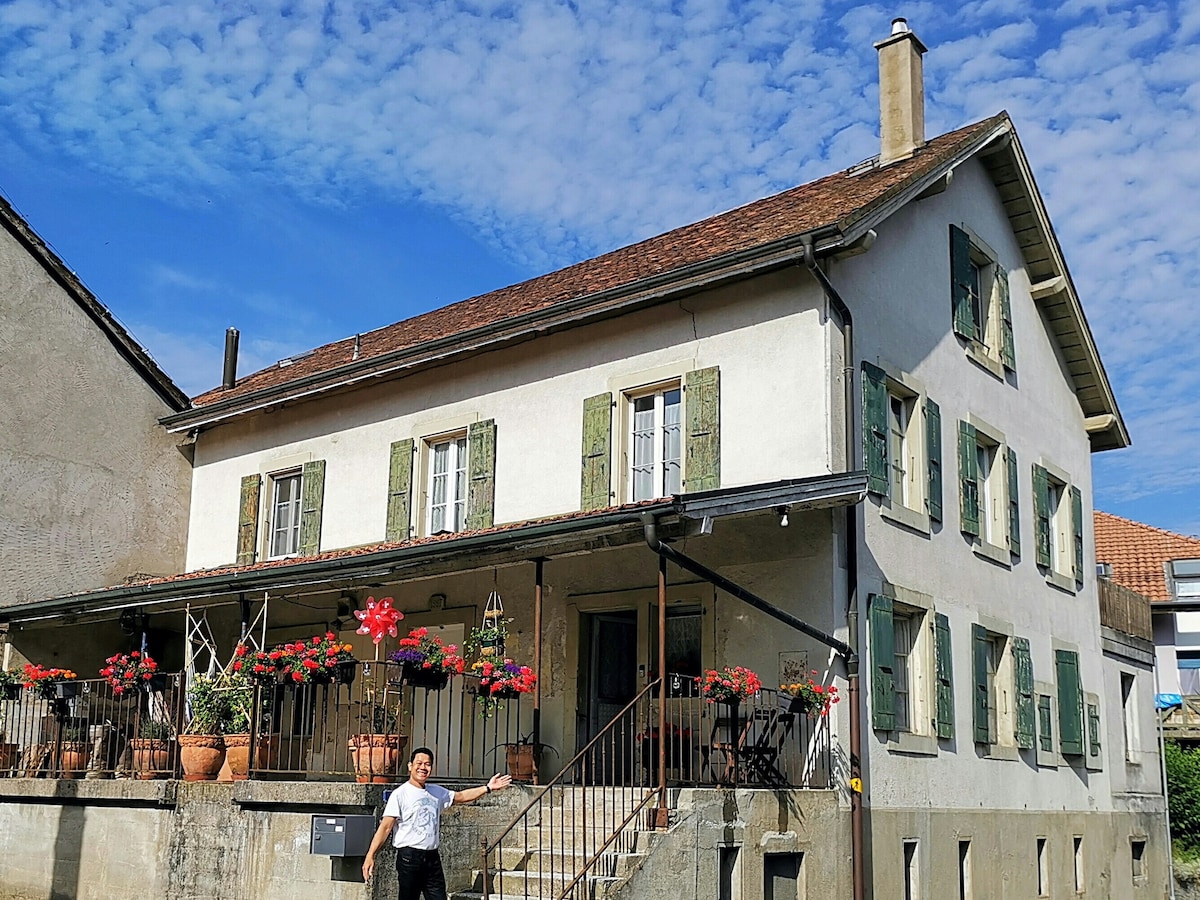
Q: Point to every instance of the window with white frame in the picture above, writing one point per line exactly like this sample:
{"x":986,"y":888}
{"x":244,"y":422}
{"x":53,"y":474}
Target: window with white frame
{"x":903,"y":440}
{"x":913,"y":691}
{"x":992,"y":507}
{"x":995,"y":716}
{"x":284,"y":530}
{"x":980,"y":298}
{"x":904,"y":630}
{"x":656,"y":443}
{"x":988,"y":502}
{"x":447,"y":484}
{"x":1060,"y":525}
{"x":1129,"y":715}
{"x":903,"y":443}
{"x":1058,"y":516}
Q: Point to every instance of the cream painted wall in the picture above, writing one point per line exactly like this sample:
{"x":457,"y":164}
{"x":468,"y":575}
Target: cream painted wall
{"x":767,"y":337}
{"x":902,"y":286}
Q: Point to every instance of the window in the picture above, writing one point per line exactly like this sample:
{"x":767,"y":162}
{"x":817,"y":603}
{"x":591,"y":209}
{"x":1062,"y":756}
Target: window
{"x":988,"y":503}
{"x":912,"y":688}
{"x":1043,"y":869}
{"x":999,"y":696}
{"x":1005,"y":715}
{"x":902,"y":435}
{"x":1185,"y":578}
{"x":1137,"y":855}
{"x":1129,"y":715}
{"x":1080,"y":880}
{"x":285,"y":515}
{"x":912,"y":871}
{"x":1070,"y":702}
{"x":964,"y":870}
{"x":447,"y":484}
{"x":980,"y":301}
{"x":683,"y":648}
{"x":1058,"y":514}
{"x":656,"y":444}
{"x":668,"y":439}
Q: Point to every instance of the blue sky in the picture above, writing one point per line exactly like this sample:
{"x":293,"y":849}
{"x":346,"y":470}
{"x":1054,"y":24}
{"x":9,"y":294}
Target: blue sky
{"x":308,"y":170}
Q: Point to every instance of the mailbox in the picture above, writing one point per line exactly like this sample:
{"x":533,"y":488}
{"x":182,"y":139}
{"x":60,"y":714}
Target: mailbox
{"x":342,"y":835}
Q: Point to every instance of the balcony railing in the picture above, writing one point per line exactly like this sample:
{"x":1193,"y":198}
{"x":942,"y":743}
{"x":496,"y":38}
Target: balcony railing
{"x":366,"y":725}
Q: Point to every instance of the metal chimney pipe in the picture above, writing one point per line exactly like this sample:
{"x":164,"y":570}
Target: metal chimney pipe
{"x":231,"y":354}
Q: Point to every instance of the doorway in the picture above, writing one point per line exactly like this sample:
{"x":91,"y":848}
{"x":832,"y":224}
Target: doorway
{"x":608,"y":673}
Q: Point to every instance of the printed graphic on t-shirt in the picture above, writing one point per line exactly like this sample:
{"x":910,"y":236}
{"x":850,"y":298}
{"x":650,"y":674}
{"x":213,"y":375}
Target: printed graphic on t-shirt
{"x":425,"y":819}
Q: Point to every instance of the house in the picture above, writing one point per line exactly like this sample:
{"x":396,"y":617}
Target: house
{"x":1164,"y":567}
{"x":94,"y":490}
{"x":844,"y":430}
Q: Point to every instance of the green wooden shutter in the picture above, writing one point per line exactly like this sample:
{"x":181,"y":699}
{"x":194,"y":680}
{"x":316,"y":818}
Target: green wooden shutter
{"x":968,"y":479}
{"x":1070,"y":702}
{"x":1077,"y":531}
{"x":481,"y":474}
{"x":1026,"y":714}
{"x":933,"y":447}
{"x":1008,"y":352}
{"x":312,"y":498}
{"x":960,"y":277}
{"x":702,"y":399}
{"x":1014,"y":505}
{"x":945,"y":677}
{"x":875,"y":412}
{"x":247,"y":536}
{"x":883,"y":662}
{"x":979,"y":659}
{"x":399,"y":508}
{"x":1045,"y":723}
{"x":1041,"y":514}
{"x":596,"y":481}
{"x":1093,"y":719}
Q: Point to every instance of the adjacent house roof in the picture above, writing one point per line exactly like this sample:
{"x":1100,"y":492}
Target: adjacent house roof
{"x":1138,"y":553}
{"x":831,"y":213}
{"x":126,"y":345}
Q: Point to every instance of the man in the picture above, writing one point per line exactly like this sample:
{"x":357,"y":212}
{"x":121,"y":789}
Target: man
{"x":414,"y":811}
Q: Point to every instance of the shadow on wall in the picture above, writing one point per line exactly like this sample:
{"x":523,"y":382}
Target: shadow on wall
{"x":68,"y":844}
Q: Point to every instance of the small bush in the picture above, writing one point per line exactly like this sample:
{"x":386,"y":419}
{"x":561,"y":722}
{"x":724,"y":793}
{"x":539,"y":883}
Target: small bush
{"x":1183,"y":798}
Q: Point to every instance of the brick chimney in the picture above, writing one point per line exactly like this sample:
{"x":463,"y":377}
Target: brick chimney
{"x":901,"y":94}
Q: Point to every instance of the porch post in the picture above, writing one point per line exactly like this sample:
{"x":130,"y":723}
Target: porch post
{"x":661,"y":817}
{"x":537,"y":660}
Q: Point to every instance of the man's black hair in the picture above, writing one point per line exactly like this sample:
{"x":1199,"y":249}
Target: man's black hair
{"x":425,"y":750}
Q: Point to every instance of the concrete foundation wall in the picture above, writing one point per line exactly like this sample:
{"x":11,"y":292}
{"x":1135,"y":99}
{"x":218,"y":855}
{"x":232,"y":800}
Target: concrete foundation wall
{"x":1002,"y":862}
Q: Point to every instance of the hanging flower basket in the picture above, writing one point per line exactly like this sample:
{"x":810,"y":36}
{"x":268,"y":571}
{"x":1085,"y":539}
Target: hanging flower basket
{"x":345,"y":672}
{"x":430,"y":679}
{"x":11,"y":692}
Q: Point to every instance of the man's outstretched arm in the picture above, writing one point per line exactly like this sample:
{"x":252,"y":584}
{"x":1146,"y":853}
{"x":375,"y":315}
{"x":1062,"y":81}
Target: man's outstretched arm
{"x":495,"y":783}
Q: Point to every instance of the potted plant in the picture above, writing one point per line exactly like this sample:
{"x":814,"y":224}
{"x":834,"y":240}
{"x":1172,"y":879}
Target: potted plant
{"x":74,"y":752}
{"x":8,"y":751}
{"x":202,"y":746}
{"x":730,"y":685}
{"x":11,"y":684}
{"x":810,"y":697}
{"x":678,"y":749}
{"x":152,"y":749}
{"x":489,"y":639}
{"x":523,"y":758}
{"x":50,"y":683}
{"x":376,"y":753}
{"x":134,"y":671}
{"x":426,"y":661}
{"x":237,"y":692}
{"x":321,"y":659}
{"x":501,"y":681}
{"x":261,"y":666}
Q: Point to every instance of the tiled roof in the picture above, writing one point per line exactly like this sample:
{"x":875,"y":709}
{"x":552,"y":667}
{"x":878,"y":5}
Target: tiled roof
{"x":1137,"y":553}
{"x":838,"y":199}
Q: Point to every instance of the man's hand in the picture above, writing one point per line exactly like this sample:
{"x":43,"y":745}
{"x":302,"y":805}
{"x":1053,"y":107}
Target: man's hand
{"x":368,"y":867}
{"x":499,"y":782}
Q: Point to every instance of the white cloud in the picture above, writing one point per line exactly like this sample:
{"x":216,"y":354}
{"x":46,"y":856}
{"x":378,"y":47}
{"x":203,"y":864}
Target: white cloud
{"x":556,"y":131}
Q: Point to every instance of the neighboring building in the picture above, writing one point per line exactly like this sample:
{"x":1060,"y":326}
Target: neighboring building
{"x":1165,"y":567}
{"x":93,"y":491}
{"x":893,"y":363}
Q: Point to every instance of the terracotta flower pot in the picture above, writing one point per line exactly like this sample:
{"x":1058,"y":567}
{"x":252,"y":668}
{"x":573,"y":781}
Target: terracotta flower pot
{"x":201,"y":756}
{"x":522,"y":761}
{"x":151,"y":757}
{"x":73,"y":758}
{"x":237,"y":755}
{"x":376,"y":757}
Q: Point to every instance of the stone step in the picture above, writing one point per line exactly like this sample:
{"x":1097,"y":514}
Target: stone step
{"x":515,"y":885}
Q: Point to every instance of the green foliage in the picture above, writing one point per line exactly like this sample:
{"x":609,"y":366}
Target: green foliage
{"x":220,"y":705}
{"x":155,"y":730}
{"x":1183,"y":797}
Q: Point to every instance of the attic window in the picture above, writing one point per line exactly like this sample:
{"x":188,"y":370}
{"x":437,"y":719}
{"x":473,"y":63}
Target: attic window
{"x":1185,"y":578}
{"x":980,"y":302}
{"x":288,"y":360}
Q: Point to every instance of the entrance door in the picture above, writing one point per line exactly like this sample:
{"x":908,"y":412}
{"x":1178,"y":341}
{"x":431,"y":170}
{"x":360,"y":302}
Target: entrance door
{"x":611,"y":668}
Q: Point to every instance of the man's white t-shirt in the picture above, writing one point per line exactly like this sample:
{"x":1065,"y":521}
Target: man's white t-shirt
{"x":418,"y":814}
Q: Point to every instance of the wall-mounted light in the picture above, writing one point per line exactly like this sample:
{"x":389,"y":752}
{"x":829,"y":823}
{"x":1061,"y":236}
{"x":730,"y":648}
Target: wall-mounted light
{"x":783,"y":516}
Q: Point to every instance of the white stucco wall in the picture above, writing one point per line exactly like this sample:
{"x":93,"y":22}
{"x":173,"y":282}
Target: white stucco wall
{"x":768,"y":339}
{"x":902,"y":287}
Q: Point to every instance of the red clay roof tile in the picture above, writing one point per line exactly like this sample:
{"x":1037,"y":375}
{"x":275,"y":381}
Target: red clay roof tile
{"x":1138,"y":552}
{"x":839,"y":199}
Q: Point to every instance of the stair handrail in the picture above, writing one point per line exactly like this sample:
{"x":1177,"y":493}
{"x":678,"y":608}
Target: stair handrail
{"x":488,"y":848}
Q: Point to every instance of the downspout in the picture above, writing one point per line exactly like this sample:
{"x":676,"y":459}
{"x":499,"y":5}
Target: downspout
{"x":837,"y":305}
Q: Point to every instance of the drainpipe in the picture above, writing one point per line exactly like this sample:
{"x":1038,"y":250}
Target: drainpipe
{"x":838,"y":306}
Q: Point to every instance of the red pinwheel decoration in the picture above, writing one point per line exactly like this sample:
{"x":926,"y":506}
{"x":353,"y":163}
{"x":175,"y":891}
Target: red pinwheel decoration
{"x":378,"y":619}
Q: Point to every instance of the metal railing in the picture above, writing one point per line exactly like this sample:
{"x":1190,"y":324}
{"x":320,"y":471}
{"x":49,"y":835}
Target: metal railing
{"x":366,"y":725}
{"x":84,"y":728}
{"x":577,"y":827}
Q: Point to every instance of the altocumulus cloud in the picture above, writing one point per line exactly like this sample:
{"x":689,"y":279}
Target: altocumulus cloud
{"x":556,"y":131}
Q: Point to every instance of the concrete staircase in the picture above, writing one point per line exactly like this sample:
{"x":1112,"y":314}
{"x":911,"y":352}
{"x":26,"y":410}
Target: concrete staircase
{"x":538,"y":859}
